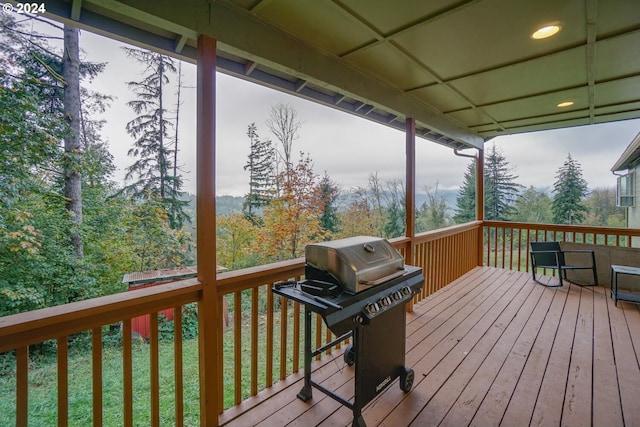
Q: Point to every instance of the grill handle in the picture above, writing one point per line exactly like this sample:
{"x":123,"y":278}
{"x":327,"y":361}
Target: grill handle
{"x":398,"y":273}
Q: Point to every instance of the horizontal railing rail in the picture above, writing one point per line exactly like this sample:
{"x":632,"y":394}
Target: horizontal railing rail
{"x":506,"y":244}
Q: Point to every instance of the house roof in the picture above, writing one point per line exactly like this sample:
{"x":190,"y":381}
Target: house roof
{"x":465,"y":70}
{"x":629,"y":157}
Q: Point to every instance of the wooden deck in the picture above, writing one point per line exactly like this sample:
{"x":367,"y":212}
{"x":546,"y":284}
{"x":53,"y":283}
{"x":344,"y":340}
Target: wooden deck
{"x":492,"y":348}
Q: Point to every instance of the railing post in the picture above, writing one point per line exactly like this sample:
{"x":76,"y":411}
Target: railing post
{"x":208,"y":319}
{"x":480,"y":203}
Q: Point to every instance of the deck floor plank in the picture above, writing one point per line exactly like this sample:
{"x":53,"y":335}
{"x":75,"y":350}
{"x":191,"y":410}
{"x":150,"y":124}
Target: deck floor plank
{"x":606,"y":398}
{"x":492,"y":348}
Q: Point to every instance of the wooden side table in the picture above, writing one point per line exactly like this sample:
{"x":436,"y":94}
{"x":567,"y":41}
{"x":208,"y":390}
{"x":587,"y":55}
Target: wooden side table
{"x":623,"y":295}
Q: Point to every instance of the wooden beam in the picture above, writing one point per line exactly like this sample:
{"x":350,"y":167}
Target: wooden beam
{"x":208,"y":319}
{"x":410,"y":125}
{"x":480,"y":199}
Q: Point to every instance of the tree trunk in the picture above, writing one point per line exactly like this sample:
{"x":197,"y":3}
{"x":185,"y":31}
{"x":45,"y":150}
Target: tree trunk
{"x":72,"y":147}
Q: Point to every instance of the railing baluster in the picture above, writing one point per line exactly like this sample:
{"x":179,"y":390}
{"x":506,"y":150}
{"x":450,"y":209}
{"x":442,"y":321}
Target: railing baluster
{"x":96,"y":352}
{"x":154,"y":369}
{"x":269,"y":367}
{"x":237,"y":346}
{"x":254,"y":341}
{"x":178,"y":370}
{"x":63,"y":381}
{"x":127,"y":373}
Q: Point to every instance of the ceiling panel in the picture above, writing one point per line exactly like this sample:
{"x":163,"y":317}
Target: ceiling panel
{"x":618,"y":56}
{"x":392,"y":66}
{"x":391,"y":16}
{"x":320,"y":23}
{"x":490,"y":34}
{"x":614,"y":15}
{"x":617,"y":92}
{"x":442,"y":97}
{"x":550,"y":73}
{"x":538,"y":106}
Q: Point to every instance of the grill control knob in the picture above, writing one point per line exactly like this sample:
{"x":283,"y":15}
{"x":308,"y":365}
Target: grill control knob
{"x":372,"y":308}
{"x":397,"y":295}
{"x":406,"y":291}
{"x":385,"y":301}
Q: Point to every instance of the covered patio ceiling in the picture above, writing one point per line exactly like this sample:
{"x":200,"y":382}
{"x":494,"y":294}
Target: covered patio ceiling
{"x":466,"y":71}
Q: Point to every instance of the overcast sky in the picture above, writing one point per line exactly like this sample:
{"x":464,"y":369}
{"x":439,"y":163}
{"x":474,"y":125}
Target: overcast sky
{"x":348,"y":148}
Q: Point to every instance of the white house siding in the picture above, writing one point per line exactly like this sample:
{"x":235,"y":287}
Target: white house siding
{"x":634,"y":212}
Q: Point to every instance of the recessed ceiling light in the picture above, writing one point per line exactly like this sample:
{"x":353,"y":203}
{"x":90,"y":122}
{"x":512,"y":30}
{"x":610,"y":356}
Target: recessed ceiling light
{"x":565,"y":104}
{"x":546,"y":31}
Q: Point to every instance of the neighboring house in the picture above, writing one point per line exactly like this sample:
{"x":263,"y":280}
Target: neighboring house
{"x":627,"y":168}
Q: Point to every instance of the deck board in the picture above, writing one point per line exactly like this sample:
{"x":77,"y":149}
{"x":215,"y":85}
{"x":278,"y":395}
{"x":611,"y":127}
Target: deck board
{"x":492,"y":348}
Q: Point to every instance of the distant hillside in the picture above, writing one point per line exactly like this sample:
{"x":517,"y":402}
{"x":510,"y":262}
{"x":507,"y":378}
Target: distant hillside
{"x":227,"y":205}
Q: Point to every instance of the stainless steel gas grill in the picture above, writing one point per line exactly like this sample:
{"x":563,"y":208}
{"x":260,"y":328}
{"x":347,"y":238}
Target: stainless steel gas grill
{"x":359,"y":286}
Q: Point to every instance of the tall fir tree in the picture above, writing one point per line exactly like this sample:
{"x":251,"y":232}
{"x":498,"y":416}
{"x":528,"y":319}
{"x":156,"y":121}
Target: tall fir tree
{"x":261,"y":167}
{"x":570,"y":188}
{"x":501,"y":190}
{"x":466,"y":198}
{"x":152,"y":148}
{"x":329,"y":193}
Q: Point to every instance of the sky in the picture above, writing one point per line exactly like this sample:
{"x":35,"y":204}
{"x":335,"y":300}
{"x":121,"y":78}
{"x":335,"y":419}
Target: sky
{"x":348,"y":148}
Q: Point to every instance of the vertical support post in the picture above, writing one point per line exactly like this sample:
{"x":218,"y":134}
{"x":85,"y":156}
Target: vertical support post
{"x":410,"y":202}
{"x":480,"y":202}
{"x":410,"y":208}
{"x":208,"y":319}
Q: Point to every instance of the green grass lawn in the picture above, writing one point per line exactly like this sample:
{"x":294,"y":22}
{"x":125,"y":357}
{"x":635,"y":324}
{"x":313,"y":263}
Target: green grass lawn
{"x":43,"y":388}
{"x":43,"y":379}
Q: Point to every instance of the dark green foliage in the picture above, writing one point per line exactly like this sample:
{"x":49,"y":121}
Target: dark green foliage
{"x":432,"y":214}
{"x":466,"y":199}
{"x":570,"y":188}
{"x":533,"y":206}
{"x":500,"y":188}
{"x":152,"y":171}
{"x":601,"y":204}
{"x":166,"y":328}
{"x":329,"y":195}
{"x":261,"y":167}
{"x":395,"y":209}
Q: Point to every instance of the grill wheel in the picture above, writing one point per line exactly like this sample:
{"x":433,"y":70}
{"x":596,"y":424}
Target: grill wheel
{"x":349,"y":355}
{"x":406,"y":379}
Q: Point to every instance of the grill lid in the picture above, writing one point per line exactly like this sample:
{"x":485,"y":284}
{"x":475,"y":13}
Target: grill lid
{"x":357,"y":263}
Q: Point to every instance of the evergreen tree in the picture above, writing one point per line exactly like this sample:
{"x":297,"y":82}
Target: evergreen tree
{"x":152,"y":169}
{"x":260,"y":165}
{"x":501,"y":189}
{"x":329,"y":195}
{"x":466,"y":198}
{"x":395,"y":198}
{"x":570,"y":188}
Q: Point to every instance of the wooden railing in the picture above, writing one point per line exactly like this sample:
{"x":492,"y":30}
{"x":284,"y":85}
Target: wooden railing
{"x":506,"y":244}
{"x":447,"y":254}
{"x":60,"y":323}
{"x":262,"y":343}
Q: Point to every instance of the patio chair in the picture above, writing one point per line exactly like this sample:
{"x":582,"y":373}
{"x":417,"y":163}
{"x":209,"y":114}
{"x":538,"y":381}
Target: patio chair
{"x":549,"y":255}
